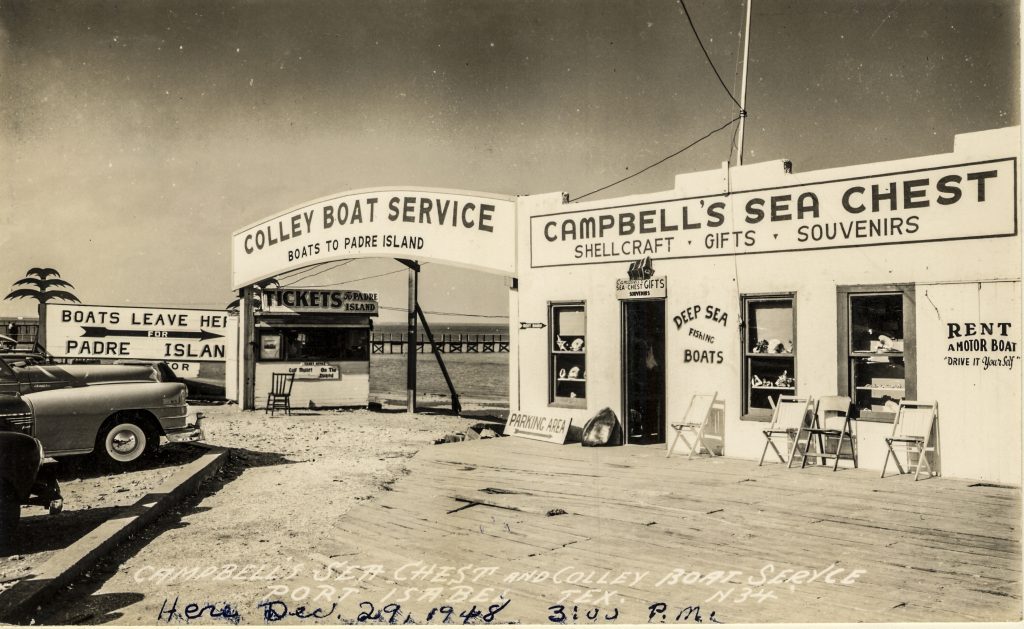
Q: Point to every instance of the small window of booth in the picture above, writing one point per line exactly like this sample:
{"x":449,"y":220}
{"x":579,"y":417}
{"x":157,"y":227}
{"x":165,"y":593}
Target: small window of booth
{"x":328,"y":352}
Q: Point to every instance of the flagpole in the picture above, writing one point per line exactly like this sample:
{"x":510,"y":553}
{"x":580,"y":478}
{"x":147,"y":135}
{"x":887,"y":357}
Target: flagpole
{"x":743,"y":88}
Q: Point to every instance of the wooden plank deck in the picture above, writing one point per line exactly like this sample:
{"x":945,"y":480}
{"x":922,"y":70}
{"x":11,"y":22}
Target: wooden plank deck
{"x":565,"y":522}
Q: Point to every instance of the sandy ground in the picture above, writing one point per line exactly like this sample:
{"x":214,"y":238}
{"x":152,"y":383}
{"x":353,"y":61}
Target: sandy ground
{"x":287,"y":481}
{"x":93,"y":493}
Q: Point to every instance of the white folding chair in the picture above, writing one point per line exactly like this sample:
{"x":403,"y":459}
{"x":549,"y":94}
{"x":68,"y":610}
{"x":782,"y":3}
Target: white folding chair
{"x":788,"y":420}
{"x":696,"y":421}
{"x":914,"y":425}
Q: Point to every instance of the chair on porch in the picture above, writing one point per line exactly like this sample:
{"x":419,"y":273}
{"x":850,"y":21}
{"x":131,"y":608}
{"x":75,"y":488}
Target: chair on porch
{"x":914,"y":427}
{"x":788,"y":421}
{"x":696,"y":421}
{"x":831,"y":421}
{"x":280,"y":394}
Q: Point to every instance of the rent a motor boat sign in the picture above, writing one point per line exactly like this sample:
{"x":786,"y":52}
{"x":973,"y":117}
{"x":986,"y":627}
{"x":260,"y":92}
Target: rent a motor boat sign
{"x":169,"y":334}
{"x":469,"y":229}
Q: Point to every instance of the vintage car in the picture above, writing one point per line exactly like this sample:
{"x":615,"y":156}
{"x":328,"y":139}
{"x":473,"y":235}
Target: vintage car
{"x":24,"y":480}
{"x":103,"y":409}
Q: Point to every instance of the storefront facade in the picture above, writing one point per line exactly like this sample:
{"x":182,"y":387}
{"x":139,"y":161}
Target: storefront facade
{"x":321,"y":337}
{"x":884,"y":281}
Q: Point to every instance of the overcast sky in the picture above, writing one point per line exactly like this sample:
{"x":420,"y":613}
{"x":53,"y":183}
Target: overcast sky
{"x":135,"y":137}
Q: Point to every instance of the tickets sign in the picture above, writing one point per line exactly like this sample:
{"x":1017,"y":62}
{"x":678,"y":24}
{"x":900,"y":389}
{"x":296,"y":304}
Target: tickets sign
{"x":288,"y":300}
{"x":170,"y":334}
{"x":539,"y":427}
{"x":975,"y":200}
{"x":470,"y":229}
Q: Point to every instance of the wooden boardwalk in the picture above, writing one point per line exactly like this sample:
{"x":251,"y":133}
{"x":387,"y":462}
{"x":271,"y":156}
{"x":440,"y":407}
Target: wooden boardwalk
{"x":751,"y":544}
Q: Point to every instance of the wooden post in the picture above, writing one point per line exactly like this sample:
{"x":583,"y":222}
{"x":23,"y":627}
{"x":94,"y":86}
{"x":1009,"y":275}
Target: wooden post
{"x":410,"y":374}
{"x":248,"y":342}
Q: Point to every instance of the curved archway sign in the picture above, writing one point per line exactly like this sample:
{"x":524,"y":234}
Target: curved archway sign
{"x":475,"y":230}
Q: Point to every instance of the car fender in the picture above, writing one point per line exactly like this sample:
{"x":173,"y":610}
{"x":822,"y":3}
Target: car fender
{"x":20,"y":458}
{"x":68,"y":420}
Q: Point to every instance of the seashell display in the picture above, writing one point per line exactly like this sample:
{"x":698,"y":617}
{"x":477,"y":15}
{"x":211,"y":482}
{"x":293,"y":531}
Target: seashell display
{"x":574,"y":372}
{"x":560,"y":342}
{"x":561,"y":373}
{"x":577,"y":344}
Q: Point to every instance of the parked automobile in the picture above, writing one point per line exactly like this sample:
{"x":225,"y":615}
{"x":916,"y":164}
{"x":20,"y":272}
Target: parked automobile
{"x":207,"y":389}
{"x":104,"y":409}
{"x":24,"y":480}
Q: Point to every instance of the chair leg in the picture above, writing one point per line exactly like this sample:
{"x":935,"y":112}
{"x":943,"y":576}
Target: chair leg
{"x":765,"y":451}
{"x":673,"y":446}
{"x":792,"y":450}
{"x":886,"y":462}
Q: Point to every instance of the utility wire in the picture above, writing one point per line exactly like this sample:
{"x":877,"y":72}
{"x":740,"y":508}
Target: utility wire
{"x":707,"y":56}
{"x":359,"y":279}
{"x":306,"y":277}
{"x":660,"y":161}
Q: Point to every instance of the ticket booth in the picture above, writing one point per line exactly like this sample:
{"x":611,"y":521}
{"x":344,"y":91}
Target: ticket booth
{"x":320,"y":336}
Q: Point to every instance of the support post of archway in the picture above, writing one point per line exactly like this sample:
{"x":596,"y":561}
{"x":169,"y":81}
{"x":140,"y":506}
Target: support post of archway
{"x":411,"y":347}
{"x":247,"y":341}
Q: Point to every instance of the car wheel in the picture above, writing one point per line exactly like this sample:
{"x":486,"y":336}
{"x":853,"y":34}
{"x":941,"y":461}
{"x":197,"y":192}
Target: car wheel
{"x":10,"y":513}
{"x":124,"y":442}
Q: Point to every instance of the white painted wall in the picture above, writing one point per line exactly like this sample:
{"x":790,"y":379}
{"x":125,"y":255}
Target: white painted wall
{"x":980,"y":412}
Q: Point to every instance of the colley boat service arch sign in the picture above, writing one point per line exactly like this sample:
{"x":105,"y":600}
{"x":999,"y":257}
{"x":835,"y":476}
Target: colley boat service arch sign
{"x":470,"y":229}
{"x":475,"y":230}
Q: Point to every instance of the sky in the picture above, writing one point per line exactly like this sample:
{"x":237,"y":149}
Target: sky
{"x":136,"y":137}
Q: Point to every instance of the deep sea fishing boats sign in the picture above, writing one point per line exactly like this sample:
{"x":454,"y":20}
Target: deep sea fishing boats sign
{"x":470,"y":229}
{"x":975,"y":200}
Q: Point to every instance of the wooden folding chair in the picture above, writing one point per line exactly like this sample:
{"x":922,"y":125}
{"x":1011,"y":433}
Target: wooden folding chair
{"x":830,"y":411}
{"x":788,"y":420}
{"x":914,"y":425}
{"x":280,"y":394}
{"x":696,"y":420}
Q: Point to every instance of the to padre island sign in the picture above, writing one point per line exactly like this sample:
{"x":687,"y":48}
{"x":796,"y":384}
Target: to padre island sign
{"x":470,"y":229}
{"x":974,"y":200}
{"x":169,"y":334}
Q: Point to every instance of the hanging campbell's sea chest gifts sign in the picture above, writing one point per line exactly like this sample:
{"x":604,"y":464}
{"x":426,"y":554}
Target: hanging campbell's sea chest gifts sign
{"x":950,"y":202}
{"x":648,"y":288}
{"x":294,"y":300}
{"x":470,"y":229}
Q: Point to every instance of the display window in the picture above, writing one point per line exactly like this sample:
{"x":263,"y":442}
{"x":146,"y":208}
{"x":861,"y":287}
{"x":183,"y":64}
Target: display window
{"x":568,"y":354}
{"x":315,"y":344}
{"x":876,"y":349}
{"x":769,"y":353}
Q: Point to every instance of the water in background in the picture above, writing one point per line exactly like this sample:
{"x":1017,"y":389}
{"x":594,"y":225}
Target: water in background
{"x":478,"y":377}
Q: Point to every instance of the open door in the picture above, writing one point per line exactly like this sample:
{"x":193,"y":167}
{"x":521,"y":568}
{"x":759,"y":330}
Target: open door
{"x":643,"y":368}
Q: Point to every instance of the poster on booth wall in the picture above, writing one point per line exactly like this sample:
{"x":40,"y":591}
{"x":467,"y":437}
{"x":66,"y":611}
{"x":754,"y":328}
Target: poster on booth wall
{"x":191,"y":342}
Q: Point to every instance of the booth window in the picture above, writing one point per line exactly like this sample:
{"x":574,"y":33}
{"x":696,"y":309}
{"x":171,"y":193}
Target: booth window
{"x":769,"y":352}
{"x":876,"y":349}
{"x":315,"y":344}
{"x":568,"y":355}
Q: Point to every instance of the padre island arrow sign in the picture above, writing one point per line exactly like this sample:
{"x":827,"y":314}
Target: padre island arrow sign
{"x":170,"y":334}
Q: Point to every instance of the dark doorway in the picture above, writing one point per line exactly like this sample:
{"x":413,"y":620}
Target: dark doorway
{"x":643,"y":367}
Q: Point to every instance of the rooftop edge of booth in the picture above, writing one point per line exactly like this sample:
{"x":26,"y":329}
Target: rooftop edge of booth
{"x":917,"y":260}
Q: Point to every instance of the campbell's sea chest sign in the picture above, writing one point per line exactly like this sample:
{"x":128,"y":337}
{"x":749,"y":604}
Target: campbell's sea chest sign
{"x":954,"y":202}
{"x":647,"y":288}
{"x":470,"y":229}
{"x":287,"y":300}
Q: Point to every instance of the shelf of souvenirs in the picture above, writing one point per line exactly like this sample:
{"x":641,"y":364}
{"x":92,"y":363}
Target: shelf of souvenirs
{"x":771,"y":386}
{"x":572,"y":379}
{"x":567,"y":351}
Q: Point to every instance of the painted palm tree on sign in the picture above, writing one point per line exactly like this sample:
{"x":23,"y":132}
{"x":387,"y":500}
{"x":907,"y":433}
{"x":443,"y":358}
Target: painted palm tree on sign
{"x":46,"y":286}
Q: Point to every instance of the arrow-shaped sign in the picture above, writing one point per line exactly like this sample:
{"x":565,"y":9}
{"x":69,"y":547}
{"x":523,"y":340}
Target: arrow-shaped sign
{"x":100,"y":331}
{"x":526,"y":325}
